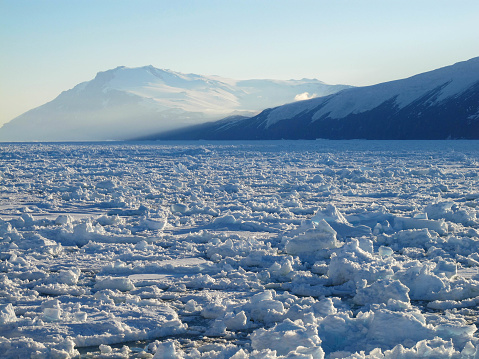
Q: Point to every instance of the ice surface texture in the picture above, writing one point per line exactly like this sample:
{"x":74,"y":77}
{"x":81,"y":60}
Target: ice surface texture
{"x":356,"y":249}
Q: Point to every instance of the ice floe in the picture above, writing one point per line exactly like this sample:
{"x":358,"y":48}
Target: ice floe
{"x":321,"y":249}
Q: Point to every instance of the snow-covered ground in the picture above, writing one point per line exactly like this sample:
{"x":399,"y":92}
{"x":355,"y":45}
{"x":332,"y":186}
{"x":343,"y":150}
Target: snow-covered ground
{"x":239,"y":250}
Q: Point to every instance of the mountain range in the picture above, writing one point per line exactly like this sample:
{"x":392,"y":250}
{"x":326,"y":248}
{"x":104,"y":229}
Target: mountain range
{"x":439,"y":104}
{"x":125,"y":103}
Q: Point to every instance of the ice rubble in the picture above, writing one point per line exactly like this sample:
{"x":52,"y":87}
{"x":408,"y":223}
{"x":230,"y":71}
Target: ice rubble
{"x":253,"y":250}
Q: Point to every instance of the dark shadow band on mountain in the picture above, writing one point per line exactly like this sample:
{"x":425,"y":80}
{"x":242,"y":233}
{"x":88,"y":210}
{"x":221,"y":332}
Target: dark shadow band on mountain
{"x":195,"y":132}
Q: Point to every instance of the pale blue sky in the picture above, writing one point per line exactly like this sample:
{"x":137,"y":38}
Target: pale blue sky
{"x":48,"y":46}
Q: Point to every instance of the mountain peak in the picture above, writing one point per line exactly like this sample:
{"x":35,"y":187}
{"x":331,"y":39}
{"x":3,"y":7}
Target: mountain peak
{"x":126,"y":102}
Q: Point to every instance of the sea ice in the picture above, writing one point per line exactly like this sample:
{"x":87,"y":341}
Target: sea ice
{"x":283,"y":249}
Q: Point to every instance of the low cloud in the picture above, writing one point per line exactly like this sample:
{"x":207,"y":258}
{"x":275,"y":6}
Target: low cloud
{"x":304,"y":96}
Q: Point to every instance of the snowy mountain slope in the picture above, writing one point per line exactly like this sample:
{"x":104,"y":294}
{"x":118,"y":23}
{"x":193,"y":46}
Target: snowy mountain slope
{"x":439,"y":104}
{"x":128,"y":102}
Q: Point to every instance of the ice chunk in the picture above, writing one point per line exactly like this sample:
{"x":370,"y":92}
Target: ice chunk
{"x":339,"y":223}
{"x":325,"y":307}
{"x":80,"y":316}
{"x":7,"y":314}
{"x":313,"y":240}
{"x":287,"y":337}
{"x":69,"y":276}
{"x":225,"y":220}
{"x":192,"y":306}
{"x":352,"y":264}
{"x":439,"y":209}
{"x":106,"y":184}
{"x":366,"y":244}
{"x":105,"y":349}
{"x":422,"y":282}
{"x":330,"y":214}
{"x":63,"y":220}
{"x":52,"y":314}
{"x":382,"y":291}
{"x":110,"y":220}
{"x":166,"y":351}
{"x":439,"y":226}
{"x":385,"y":251}
{"x":452,"y":212}
{"x":154,"y":223}
{"x":236,"y":322}
{"x":122,"y":284}
{"x":447,"y":267}
{"x":179,"y":208}
{"x":263,"y":308}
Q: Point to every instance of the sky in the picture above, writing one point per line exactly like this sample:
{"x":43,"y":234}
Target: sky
{"x":49,"y":46}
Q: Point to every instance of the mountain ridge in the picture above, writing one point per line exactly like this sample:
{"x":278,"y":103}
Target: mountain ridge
{"x":126,"y":102}
{"x":438,"y":104}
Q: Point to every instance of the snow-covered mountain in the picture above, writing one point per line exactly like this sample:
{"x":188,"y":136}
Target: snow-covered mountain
{"x":439,"y":104}
{"x":130,"y":102}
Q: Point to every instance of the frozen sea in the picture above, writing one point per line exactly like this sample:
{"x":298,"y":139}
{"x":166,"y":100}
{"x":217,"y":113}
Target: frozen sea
{"x":280,"y":249}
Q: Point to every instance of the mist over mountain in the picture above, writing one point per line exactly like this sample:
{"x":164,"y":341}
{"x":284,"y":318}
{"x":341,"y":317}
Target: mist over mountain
{"x":126,"y":102}
{"x":439,"y":104}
